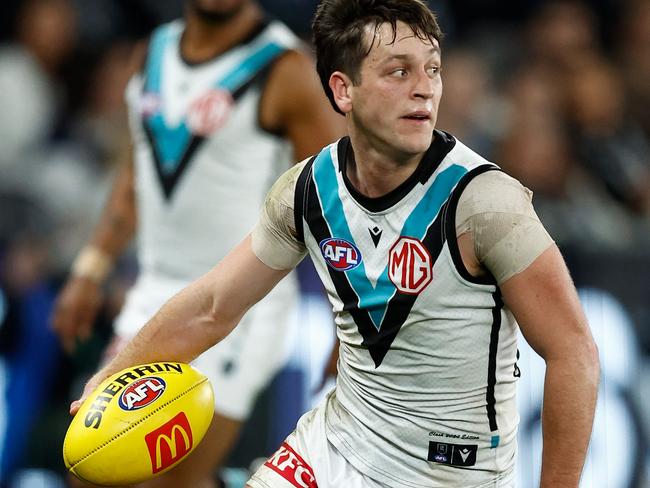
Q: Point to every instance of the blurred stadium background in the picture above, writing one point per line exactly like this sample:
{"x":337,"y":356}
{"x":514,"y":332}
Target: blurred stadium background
{"x":556,"y":92}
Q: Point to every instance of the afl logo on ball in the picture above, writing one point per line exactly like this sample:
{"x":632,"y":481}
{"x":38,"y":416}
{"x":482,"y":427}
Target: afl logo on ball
{"x":340,"y":254}
{"x":141,"y":392}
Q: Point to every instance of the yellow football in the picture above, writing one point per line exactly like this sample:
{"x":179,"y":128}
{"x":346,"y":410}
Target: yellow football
{"x":138,"y":424}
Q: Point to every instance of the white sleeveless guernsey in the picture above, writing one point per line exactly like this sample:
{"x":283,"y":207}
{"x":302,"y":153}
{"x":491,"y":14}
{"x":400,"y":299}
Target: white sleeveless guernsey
{"x":203,"y":166}
{"x":425,"y":394}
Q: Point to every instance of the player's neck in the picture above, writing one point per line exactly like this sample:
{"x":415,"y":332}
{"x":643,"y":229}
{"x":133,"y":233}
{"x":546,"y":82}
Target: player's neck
{"x":203,"y":40}
{"x":376,"y":171}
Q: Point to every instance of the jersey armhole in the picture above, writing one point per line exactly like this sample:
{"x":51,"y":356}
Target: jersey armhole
{"x":300,"y":198}
{"x":450,"y":227}
{"x":262,"y":80}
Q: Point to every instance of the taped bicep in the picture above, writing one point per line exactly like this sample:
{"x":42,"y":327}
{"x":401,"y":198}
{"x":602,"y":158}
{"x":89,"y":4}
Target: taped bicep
{"x":507,"y":234}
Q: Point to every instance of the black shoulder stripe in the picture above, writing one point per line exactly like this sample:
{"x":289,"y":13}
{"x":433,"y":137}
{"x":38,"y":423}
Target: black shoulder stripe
{"x":450,"y":225}
{"x":141,"y":67}
{"x":262,"y":81}
{"x":300,"y":198}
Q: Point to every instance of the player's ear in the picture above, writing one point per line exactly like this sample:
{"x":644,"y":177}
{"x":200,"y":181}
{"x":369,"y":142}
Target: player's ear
{"x":341,"y":86}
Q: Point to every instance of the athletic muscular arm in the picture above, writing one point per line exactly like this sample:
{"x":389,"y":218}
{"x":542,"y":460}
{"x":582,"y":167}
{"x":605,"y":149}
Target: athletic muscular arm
{"x":199,"y":316}
{"x":295,"y":105}
{"x":546,"y":306}
{"x":503,"y":236}
{"x":118,"y":221}
{"x":80,"y":298}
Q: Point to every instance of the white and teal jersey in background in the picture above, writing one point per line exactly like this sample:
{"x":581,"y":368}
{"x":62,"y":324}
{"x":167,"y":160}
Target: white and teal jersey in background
{"x":203,"y":164}
{"x":426,"y":387}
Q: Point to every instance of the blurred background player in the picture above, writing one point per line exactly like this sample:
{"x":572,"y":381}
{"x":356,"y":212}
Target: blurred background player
{"x":223,"y":98}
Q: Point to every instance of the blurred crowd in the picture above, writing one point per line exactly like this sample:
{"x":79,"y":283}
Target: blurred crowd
{"x":555,"y":92}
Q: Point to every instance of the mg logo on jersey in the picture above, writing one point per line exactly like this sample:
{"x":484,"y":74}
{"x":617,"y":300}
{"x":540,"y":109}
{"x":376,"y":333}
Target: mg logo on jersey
{"x":141,"y":392}
{"x":410,"y":265}
{"x":340,"y":254}
{"x":169,"y":442}
{"x":209,"y":113}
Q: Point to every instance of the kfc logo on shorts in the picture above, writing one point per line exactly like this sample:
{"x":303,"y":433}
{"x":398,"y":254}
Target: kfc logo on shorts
{"x":340,"y":254}
{"x":410,"y":265}
{"x":293,"y":468}
{"x":209,"y":113}
{"x":141,"y":392}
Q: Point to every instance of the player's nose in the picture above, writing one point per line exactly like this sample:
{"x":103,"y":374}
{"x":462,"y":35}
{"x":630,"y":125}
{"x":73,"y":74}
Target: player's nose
{"x":424,"y":85}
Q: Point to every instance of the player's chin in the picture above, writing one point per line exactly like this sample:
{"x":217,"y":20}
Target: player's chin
{"x":416,"y":141}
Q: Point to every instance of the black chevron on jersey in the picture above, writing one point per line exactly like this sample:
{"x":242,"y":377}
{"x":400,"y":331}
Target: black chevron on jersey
{"x":258,"y":75}
{"x":169,"y":180}
{"x":399,"y":306}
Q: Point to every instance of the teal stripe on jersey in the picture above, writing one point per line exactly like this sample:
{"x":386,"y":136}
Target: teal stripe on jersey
{"x":370,"y":298}
{"x":171,"y":142}
{"x":375,"y":299}
{"x":159,"y":41}
{"x":426,"y":210}
{"x":251,"y":66}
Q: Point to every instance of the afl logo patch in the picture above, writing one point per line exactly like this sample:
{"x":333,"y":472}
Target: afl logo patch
{"x":340,"y":254}
{"x":209,"y":113}
{"x":149,"y":104}
{"x":141,"y":392}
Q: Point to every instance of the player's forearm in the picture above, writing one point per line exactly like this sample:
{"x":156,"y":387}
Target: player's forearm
{"x":182,"y":329}
{"x":570,"y":392}
{"x":203,"y":313}
{"x":113,"y":232}
{"x":118,"y":221}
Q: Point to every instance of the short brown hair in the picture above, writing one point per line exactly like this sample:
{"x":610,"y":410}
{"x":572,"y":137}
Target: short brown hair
{"x":339,"y":27}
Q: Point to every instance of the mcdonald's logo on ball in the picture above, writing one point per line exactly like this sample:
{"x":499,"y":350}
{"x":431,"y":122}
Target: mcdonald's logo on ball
{"x":169,"y":442}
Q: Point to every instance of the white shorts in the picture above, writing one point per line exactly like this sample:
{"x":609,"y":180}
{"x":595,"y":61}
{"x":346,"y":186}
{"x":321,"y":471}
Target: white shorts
{"x":306,"y":459}
{"x":244,"y":362}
